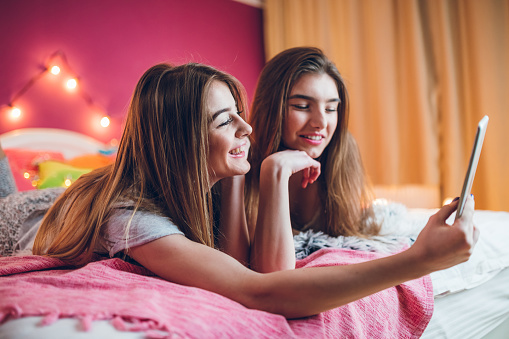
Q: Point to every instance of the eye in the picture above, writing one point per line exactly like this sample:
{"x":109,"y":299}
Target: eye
{"x":227,"y":122}
{"x":300,"y":106}
{"x":331,"y":109}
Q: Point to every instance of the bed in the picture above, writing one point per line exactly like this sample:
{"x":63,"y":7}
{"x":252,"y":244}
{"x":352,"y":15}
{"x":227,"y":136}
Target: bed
{"x":470,"y":300}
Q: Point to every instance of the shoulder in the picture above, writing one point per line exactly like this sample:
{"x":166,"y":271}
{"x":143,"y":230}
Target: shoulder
{"x":126,"y":228}
{"x":141,"y":221}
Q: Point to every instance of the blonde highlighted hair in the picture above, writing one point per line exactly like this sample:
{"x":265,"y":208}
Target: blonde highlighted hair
{"x":161,"y":165}
{"x":344,"y":189}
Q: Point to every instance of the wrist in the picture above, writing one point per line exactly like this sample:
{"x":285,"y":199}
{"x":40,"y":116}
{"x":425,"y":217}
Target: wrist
{"x":274,"y":172}
{"x":417,"y":261}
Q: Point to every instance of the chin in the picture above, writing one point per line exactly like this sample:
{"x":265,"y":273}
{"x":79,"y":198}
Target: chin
{"x":314,"y":154}
{"x":239,"y":170}
{"x":244,"y":169}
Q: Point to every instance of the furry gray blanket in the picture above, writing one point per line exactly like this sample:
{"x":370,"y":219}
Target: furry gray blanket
{"x":399,"y":231}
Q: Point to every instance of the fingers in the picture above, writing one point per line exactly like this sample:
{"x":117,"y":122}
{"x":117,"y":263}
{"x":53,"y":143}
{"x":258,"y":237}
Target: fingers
{"x":468,"y":211}
{"x":291,"y":162}
{"x":305,"y":177}
{"x":446,"y":211}
{"x":309,"y":175}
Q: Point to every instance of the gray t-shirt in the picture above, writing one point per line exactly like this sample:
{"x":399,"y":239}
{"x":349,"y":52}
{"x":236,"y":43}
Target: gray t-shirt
{"x":145,"y":227}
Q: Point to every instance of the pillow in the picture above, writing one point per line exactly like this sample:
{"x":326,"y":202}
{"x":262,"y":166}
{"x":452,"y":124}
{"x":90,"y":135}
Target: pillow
{"x":91,"y":161}
{"x":58,"y":174}
{"x":26,"y":161}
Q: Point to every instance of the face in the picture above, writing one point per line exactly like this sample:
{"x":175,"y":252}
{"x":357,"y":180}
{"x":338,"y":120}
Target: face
{"x":312,"y":114}
{"x":228,"y":135}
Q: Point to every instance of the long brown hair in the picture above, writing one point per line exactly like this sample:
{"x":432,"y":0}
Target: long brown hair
{"x":344,"y":189}
{"x":161,"y":165}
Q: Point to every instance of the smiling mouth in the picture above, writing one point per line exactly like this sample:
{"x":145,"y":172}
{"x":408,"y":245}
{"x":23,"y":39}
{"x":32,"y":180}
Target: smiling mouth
{"x":237,"y":151}
{"x":313,"y":137}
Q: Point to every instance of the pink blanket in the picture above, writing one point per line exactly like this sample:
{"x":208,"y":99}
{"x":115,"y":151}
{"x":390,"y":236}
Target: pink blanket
{"x":135,"y":300}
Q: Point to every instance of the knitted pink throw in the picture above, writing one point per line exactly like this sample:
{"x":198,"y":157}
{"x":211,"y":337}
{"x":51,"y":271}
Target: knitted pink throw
{"x":135,"y":300}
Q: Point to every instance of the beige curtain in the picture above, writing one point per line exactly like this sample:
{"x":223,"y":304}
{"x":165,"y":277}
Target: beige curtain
{"x":420,"y":75}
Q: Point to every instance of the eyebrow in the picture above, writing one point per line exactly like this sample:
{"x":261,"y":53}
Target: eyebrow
{"x":215,"y":115}
{"x":306,"y":97}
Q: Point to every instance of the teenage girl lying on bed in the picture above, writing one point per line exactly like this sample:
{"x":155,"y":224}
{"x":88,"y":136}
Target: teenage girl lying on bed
{"x":184,"y":133}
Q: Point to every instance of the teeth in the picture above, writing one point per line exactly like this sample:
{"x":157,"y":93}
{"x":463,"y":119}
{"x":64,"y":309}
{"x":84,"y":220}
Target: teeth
{"x":237,"y":150}
{"x":313,"y":137}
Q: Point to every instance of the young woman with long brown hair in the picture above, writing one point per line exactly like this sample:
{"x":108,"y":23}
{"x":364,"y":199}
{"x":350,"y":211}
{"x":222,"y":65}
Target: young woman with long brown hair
{"x":185,"y":133}
{"x":301,"y":104}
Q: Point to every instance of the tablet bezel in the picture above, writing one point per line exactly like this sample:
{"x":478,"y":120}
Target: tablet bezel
{"x":472,"y":166}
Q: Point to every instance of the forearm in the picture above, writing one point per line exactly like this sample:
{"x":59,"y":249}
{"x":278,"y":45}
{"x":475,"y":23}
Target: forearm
{"x":308,"y":291}
{"x":234,"y":237}
{"x":272,"y":247}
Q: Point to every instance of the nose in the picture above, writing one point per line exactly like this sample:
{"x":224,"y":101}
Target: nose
{"x":318,"y":119}
{"x":243,"y":130}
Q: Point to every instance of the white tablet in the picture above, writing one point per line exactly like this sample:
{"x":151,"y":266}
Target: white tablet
{"x":472,"y":165}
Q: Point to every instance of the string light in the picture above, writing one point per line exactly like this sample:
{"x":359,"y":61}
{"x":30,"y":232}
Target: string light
{"x":71,"y":84}
{"x":105,"y":121}
{"x":55,"y":70}
{"x":15,"y":113}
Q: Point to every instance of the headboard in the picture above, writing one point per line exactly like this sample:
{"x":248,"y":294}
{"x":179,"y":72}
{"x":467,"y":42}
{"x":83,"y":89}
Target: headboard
{"x":69,"y":143}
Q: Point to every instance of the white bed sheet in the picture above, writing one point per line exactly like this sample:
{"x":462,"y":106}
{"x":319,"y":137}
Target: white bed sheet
{"x":480,"y":312}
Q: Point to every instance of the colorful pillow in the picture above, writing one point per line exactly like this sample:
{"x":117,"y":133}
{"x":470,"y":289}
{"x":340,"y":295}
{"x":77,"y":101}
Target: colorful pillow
{"x":44,"y":169}
{"x":91,"y":161}
{"x":24,"y":162}
{"x":58,"y":174}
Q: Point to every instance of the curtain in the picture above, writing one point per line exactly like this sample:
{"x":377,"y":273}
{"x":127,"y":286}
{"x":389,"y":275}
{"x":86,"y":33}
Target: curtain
{"x":420,"y":75}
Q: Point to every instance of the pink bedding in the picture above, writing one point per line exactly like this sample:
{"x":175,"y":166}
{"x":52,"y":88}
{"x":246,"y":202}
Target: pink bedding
{"x":135,"y":300}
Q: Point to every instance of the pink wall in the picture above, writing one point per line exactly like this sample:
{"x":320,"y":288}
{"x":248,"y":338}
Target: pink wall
{"x":109,"y":44}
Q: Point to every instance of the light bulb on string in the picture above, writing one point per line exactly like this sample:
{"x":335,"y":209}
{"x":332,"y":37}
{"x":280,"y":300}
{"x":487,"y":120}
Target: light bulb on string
{"x":105,"y":121}
{"x":15,"y":113}
{"x":72,"y":83}
{"x":55,"y":70}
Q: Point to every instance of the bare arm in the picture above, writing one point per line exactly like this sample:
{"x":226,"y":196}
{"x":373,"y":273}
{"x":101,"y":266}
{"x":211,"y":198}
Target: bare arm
{"x":272,"y":246}
{"x":308,"y":291}
{"x":233,"y":237}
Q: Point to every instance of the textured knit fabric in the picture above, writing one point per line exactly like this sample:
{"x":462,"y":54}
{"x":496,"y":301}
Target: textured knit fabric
{"x":7,"y":183}
{"x":20,"y":211}
{"x":136,"y":301}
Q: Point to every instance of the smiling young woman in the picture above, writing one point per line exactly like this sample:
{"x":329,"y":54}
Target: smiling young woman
{"x":301,"y":103}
